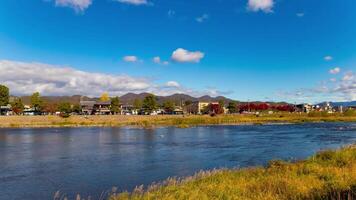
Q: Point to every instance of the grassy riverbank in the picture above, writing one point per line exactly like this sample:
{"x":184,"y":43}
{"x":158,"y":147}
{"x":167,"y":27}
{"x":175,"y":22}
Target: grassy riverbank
{"x":152,"y":121}
{"x":326,"y":175}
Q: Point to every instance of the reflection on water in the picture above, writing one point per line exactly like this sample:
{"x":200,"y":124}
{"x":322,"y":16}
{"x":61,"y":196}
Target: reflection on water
{"x":34,"y":163}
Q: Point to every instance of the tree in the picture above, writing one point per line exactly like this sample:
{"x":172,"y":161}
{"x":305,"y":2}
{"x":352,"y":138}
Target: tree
{"x":4,"y":95}
{"x":188,"y":102}
{"x":104,"y":97}
{"x":216,"y":108}
{"x":115,"y":105}
{"x":76,"y":109}
{"x":65,"y":108}
{"x":149,"y":103}
{"x":168,"y":106}
{"x":37,"y":102}
{"x":50,"y":108}
{"x":17,"y":106}
{"x":137,"y":104}
{"x":232,"y":107}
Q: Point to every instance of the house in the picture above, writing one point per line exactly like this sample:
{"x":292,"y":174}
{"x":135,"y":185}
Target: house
{"x":29,"y":111}
{"x":306,"y":108}
{"x":198,"y":107}
{"x":96,"y":107}
{"x":5,"y":110}
{"x":129,"y":110}
{"x":326,"y":107}
{"x":87,"y":107}
{"x":178,"y":110}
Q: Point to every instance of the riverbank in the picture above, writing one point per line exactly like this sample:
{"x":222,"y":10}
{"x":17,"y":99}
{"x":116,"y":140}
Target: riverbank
{"x":327,"y":175}
{"x":163,"y":120}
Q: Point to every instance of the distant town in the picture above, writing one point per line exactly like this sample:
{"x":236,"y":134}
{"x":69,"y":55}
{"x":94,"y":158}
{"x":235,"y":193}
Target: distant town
{"x":149,"y":104}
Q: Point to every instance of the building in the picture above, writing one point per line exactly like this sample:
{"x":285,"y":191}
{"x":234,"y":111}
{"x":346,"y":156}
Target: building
{"x":129,"y":110}
{"x":5,"y":110}
{"x":326,"y":107}
{"x":306,"y":108}
{"x":29,"y":111}
{"x":95,"y":107}
{"x":198,"y":107}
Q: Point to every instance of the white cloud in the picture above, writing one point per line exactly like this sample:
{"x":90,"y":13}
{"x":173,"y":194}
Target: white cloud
{"x":77,"y":5}
{"x":157,"y":59}
{"x":130,"y":59}
{"x":332,"y":90}
{"x":134,"y":2}
{"x":349,"y":76}
{"x":202,"y":18}
{"x":263,"y":5}
{"x":24,"y":78}
{"x":328,"y":58}
{"x":335,"y":70}
{"x":300,"y":14}
{"x":182,"y":55}
{"x":172,"y":84}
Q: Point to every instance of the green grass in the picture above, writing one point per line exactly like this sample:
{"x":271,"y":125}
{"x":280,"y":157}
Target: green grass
{"x":327,"y":175}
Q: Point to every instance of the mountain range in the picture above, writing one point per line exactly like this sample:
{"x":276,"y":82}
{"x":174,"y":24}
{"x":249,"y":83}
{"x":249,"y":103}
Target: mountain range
{"x":129,"y":98}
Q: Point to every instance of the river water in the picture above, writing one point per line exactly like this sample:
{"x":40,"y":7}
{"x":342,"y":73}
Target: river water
{"x":37,"y":162}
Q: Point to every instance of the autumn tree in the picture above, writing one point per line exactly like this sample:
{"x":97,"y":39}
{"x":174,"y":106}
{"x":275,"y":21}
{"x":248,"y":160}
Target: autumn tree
{"x":17,"y":106}
{"x":4,"y":95}
{"x":115,"y":105}
{"x":149,"y":103}
{"x":37,"y":102}
{"x":50,"y":107}
{"x":104,"y":97}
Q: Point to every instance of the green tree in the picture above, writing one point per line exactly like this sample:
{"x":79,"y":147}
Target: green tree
{"x":65,"y":108}
{"x":137,"y":104}
{"x":4,"y":95}
{"x":17,"y":106}
{"x":168,"y":106}
{"x":232,"y":107}
{"x":115,"y":105}
{"x":37,"y":102}
{"x":188,"y":102}
{"x":77,"y":109}
{"x":149,"y":103}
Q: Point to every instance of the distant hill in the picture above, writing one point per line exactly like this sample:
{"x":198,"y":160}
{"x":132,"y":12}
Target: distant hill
{"x":75,"y":99}
{"x":345,"y":104}
{"x":129,"y":98}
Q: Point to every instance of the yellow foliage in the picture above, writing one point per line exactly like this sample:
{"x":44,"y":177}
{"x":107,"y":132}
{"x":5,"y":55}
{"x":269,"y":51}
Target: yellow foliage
{"x":104,"y":97}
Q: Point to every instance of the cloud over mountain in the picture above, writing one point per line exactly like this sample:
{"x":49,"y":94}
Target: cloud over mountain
{"x":24,"y":78}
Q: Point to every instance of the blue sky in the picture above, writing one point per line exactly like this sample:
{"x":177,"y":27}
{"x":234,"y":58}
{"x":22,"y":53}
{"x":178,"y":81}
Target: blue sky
{"x":295,"y":50}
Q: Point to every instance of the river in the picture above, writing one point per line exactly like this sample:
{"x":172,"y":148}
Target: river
{"x":37,"y":162}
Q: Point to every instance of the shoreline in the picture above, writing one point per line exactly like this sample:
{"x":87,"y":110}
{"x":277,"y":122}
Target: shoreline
{"x":178,"y":121}
{"x":327,"y":174}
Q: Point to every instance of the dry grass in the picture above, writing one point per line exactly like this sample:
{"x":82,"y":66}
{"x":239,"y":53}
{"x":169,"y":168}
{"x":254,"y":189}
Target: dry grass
{"x":327,"y":175}
{"x":166,"y":120}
